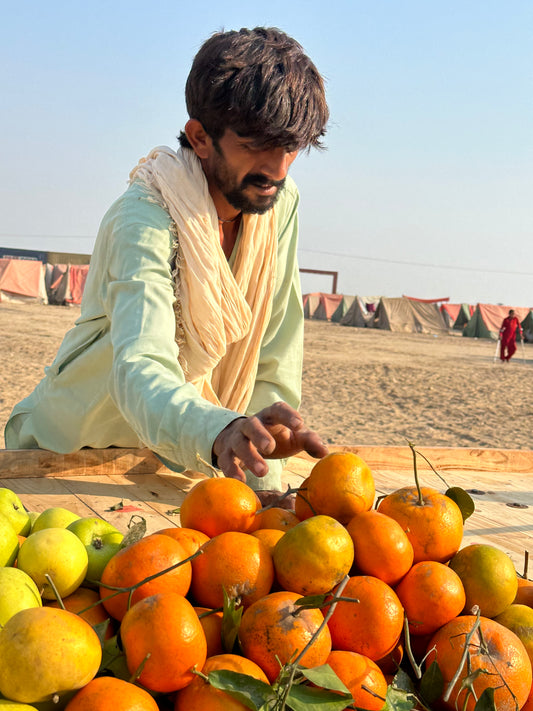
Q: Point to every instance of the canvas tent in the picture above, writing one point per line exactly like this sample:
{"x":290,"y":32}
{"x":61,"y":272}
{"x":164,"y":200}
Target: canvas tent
{"x":358,"y":314}
{"x":527,"y":327}
{"x":342,"y":308}
{"x":310,"y":302}
{"x":487,"y":320}
{"x":65,"y":282}
{"x":409,"y":316}
{"x":456,"y":315}
{"x":22,"y":280}
{"x":327,"y":305}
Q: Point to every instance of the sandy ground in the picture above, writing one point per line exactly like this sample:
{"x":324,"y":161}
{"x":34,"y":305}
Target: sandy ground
{"x":360,"y":386}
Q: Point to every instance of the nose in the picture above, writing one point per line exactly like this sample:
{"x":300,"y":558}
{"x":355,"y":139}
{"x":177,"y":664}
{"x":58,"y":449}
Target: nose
{"x":275,"y":163}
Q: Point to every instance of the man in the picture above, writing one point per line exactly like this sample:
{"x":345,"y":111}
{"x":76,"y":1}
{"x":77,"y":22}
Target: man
{"x":190,"y":335}
{"x":510,"y":325}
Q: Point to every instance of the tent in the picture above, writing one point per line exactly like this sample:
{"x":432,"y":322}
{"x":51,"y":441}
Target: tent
{"x":310,"y":302}
{"x":65,"y":282}
{"x":358,"y":314}
{"x":22,"y":280}
{"x":527,"y":327}
{"x":463,"y":317}
{"x":487,"y":320}
{"x":409,"y":316}
{"x":342,"y":308}
{"x":327,"y":305}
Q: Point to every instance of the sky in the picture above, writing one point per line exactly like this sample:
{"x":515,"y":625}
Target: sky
{"x":424,"y":190}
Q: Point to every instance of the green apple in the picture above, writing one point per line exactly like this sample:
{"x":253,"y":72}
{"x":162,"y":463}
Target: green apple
{"x":55,"y":517}
{"x":9,"y":542}
{"x":58,"y":553}
{"x":12,"y":508}
{"x":101,"y":540}
{"x":18,"y":592}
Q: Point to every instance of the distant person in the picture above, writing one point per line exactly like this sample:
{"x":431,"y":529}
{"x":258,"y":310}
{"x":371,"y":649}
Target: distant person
{"x":190,"y":339}
{"x":508,"y":330}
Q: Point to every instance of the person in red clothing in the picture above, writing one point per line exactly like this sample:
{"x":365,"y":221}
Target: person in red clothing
{"x":510,"y":325}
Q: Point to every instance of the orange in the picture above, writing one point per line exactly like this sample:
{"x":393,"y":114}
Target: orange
{"x":372,"y":623}
{"x":274,"y":630}
{"x":268,"y":536}
{"x":381,"y":546}
{"x":218,"y":505}
{"x":236,"y":562}
{"x":435,"y":527}
{"x":340,"y":485}
{"x":163,"y":633}
{"x":431,"y":594}
{"x":86,"y":603}
{"x":497,"y":651}
{"x":146,"y":557}
{"x":302,"y":509}
{"x":188,"y":538}
{"x":314,"y":556}
{"x":211,"y":621}
{"x":524,"y":594}
{"x":276,"y":517}
{"x":362,"y":677}
{"x":488,"y":576}
{"x":200,"y":695}
{"x":390,"y":663}
{"x":519,"y":619}
{"x":106,"y":693}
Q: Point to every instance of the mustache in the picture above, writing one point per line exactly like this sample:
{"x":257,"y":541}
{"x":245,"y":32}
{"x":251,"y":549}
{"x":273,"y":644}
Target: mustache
{"x":261,"y":181}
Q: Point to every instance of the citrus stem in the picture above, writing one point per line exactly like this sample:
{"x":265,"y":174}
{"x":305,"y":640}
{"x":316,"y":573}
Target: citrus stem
{"x":415,"y":470}
{"x":464,"y":657}
{"x":416,"y":668}
{"x":55,"y":591}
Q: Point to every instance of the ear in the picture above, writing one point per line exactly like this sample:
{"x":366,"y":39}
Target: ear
{"x":198,"y":138}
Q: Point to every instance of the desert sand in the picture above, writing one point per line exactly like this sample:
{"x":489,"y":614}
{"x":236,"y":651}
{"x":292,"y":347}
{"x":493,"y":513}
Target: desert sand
{"x":360,"y":386}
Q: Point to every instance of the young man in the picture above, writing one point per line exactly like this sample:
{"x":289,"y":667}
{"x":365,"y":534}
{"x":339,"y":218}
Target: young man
{"x":190,"y":335}
{"x":510,"y":325}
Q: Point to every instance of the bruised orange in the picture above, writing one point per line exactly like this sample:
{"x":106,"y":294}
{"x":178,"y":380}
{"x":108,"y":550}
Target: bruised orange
{"x":381,"y":546}
{"x":493,"y":650}
{"x":362,"y":677}
{"x":235,"y":562}
{"x":218,"y":505}
{"x":200,"y":695}
{"x":434,"y":526}
{"x":163,"y":637}
{"x":147,"y":557}
{"x":371,"y":622}
{"x":340,"y":485}
{"x":274,"y":630}
{"x":107,"y":693}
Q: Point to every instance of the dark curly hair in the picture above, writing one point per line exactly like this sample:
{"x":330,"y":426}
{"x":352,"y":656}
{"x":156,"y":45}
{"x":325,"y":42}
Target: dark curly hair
{"x":260,"y":84}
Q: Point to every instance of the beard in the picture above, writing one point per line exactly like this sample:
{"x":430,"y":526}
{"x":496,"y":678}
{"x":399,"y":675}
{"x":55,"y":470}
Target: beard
{"x":235,"y":193}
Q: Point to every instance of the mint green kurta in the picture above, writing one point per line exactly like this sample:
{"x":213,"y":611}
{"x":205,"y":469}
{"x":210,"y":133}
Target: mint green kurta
{"x":116,"y":380}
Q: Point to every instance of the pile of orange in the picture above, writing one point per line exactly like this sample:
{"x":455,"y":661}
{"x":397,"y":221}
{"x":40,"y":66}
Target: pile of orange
{"x":382,"y":579}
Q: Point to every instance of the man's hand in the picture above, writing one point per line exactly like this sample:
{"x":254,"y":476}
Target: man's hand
{"x":276,"y":432}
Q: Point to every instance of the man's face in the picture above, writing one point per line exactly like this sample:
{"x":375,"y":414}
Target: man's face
{"x":249,"y":178}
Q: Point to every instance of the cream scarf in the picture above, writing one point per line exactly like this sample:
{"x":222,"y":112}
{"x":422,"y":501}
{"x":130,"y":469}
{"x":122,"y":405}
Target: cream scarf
{"x":221,"y":316}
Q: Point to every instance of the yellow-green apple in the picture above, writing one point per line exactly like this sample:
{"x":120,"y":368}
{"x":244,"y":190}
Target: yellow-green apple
{"x":18,"y":592}
{"x":12,"y":508}
{"x":54,"y":517}
{"x":58,"y":553}
{"x":101,"y":540}
{"x":9,"y":542}
{"x":6,"y":705}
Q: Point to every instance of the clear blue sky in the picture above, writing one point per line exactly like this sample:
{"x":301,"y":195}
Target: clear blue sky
{"x":426,"y":188}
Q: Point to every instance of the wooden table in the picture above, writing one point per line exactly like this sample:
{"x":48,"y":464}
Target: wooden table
{"x":94,"y":482}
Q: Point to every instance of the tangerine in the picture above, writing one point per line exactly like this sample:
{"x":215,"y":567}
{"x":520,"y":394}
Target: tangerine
{"x":268,"y":536}
{"x":371,"y":623}
{"x":235,"y":562}
{"x":164,"y":639}
{"x":129,"y":566}
{"x":211,"y":621}
{"x":200,"y":695}
{"x":433,"y":524}
{"x":107,"y":693}
{"x":276,"y":517}
{"x":524,"y":593}
{"x":188,"y":538}
{"x":519,"y":619}
{"x":494,"y":650}
{"x":381,"y":546}
{"x":362,"y":677}
{"x":217,"y":505}
{"x":314,"y":556}
{"x":340,"y":485}
{"x":431,"y":594}
{"x":488,"y":576}
{"x":274,"y":630}
{"x":302,"y":508}
{"x":85,"y":602}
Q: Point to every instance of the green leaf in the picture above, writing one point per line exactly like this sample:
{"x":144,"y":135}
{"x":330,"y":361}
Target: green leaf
{"x":463,"y":500}
{"x":310,"y":602}
{"x":325,"y":678}
{"x":253,"y":693}
{"x":101,"y":629}
{"x":486,"y":701}
{"x":399,"y":700}
{"x":403,"y":682}
{"x":231,"y":620}
{"x":308,"y":698}
{"x":432,"y":683}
